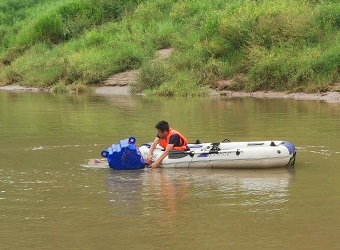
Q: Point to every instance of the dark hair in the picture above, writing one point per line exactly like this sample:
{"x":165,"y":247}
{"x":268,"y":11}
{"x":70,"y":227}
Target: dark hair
{"x":162,"y":126}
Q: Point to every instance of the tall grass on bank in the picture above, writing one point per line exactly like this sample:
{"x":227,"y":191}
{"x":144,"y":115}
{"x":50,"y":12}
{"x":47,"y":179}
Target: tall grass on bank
{"x":70,"y":43}
{"x":55,"y":22}
{"x":284,"y":45}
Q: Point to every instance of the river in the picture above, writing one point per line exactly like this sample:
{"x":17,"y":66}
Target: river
{"x":52,"y":198}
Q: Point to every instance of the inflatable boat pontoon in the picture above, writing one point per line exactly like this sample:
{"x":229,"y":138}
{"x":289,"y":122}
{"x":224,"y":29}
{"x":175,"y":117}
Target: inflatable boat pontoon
{"x":254,"y":154}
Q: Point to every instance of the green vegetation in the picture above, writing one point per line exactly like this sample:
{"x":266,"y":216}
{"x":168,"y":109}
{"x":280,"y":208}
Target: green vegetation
{"x":283,"y":45}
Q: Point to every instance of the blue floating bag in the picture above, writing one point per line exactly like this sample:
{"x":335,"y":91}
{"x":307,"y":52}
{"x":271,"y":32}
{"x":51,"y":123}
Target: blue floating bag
{"x":124,"y":155}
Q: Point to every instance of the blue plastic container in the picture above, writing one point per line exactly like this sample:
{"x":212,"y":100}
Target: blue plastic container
{"x":124,"y":155}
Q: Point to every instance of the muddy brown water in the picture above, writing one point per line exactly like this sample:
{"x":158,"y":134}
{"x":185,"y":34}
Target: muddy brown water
{"x":52,"y":198}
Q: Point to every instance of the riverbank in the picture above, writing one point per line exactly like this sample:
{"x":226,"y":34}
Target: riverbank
{"x":123,"y":89}
{"x":223,"y":41}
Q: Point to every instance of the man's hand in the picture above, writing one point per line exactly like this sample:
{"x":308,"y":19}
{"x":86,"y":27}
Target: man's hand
{"x":153,"y":165}
{"x":149,"y":157}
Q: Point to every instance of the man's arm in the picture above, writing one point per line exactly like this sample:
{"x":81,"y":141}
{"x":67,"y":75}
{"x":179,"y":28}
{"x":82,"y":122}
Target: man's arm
{"x":152,"y":148}
{"x":163,"y":155}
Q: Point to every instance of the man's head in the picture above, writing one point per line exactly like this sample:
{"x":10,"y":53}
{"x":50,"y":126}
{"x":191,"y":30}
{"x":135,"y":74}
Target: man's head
{"x":162,"y":128}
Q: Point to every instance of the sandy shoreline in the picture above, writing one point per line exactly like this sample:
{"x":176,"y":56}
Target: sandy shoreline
{"x":329,"y":97}
{"x":18,"y":88}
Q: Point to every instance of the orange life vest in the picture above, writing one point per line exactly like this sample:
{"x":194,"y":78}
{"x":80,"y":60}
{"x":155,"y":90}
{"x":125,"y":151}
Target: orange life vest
{"x":163,"y":142}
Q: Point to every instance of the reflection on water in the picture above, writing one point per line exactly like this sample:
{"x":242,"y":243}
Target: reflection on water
{"x":163,"y":192}
{"x":251,"y":189}
{"x":125,"y":190}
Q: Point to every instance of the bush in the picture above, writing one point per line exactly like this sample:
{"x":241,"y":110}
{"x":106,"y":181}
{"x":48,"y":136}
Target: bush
{"x":151,"y":76}
{"x":183,"y":84}
{"x":49,"y":28}
{"x":329,"y":16}
{"x":273,"y":70}
{"x":49,"y":67}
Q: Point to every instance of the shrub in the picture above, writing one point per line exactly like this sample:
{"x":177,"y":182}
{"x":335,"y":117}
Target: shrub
{"x":49,"y":28}
{"x":183,"y":84}
{"x":151,"y":76}
{"x":272,"y":70}
{"x":329,"y":15}
{"x":48,"y":67}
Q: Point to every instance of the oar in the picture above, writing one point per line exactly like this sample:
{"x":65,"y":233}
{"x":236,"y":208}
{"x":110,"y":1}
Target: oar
{"x":179,"y":154}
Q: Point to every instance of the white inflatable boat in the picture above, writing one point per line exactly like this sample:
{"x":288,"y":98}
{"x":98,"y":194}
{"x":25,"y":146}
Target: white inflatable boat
{"x":255,"y":154}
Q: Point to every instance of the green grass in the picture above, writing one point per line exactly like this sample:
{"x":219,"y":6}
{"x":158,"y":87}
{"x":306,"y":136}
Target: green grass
{"x":283,"y":45}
